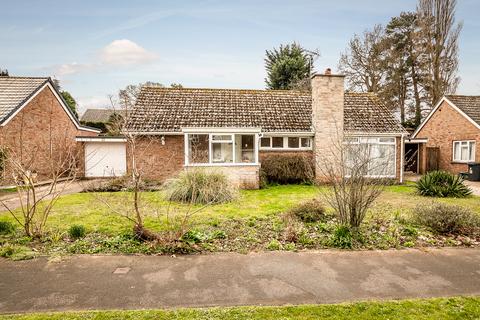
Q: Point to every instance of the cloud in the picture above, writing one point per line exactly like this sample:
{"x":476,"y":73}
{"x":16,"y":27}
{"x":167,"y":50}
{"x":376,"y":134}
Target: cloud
{"x":71,"y":68}
{"x":121,"y":53}
{"x":124,"y":53}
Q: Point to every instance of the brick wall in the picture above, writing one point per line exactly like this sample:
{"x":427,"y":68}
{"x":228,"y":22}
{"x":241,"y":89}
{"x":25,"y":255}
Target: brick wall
{"x":157,"y":161}
{"x":244,"y":177}
{"x":398,"y":159}
{"x":39,"y":133}
{"x":445,"y":126}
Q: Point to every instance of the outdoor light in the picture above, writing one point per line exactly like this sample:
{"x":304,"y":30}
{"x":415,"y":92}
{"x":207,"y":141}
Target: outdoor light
{"x":162,"y":140}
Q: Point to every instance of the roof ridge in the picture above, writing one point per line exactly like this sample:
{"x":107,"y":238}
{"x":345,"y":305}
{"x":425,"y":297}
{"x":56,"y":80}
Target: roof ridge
{"x":462,"y":95}
{"x":24,"y":77}
{"x":225,"y":89}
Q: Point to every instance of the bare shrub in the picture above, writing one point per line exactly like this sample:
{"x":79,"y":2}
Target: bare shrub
{"x":356,"y":177}
{"x":447,"y":219}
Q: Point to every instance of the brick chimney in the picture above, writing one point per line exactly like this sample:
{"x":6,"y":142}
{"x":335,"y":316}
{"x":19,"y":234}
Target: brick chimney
{"x":327,"y":118}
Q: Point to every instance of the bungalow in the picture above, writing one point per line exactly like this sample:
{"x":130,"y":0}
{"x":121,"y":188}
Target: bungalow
{"x":33,"y":116}
{"x":448,"y":136}
{"x":233,"y":130}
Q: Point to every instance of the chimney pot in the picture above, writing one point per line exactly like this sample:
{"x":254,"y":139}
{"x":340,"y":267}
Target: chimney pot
{"x":328,"y":72}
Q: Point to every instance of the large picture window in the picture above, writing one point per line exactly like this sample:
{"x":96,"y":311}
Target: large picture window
{"x":375,"y":156}
{"x":464,"y":151}
{"x":220,"y":149}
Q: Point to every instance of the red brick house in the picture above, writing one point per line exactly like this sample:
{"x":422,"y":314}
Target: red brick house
{"x":448,"y":137}
{"x":232,"y":130}
{"x":34,"y":119}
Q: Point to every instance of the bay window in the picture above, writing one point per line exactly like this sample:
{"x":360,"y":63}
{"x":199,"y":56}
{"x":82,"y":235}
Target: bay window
{"x":464,"y":151}
{"x":375,"y":156}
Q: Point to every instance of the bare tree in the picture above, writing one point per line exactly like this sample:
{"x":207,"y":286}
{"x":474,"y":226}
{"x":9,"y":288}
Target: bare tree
{"x":133,"y":205}
{"x":440,"y":35}
{"x":363,"y":61}
{"x":37,"y":202}
{"x":357,"y":176}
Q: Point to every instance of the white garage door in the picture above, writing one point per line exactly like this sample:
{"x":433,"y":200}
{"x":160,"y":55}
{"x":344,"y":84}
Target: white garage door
{"x":105,"y":159}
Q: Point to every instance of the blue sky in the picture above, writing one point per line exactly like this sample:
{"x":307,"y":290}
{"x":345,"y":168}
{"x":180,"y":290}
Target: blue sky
{"x":97,"y":47}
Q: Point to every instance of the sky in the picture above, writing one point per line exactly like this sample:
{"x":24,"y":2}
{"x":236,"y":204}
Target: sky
{"x":97,"y":47}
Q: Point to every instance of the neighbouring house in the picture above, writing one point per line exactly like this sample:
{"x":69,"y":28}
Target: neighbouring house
{"x":447,"y":138}
{"x":233,"y":130}
{"x":100,"y":118}
{"x":34,"y":121}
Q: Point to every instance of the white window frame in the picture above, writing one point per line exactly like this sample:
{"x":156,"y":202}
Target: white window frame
{"x":285,"y":143}
{"x":356,"y":140}
{"x":469,"y":145}
{"x":256,"y":143}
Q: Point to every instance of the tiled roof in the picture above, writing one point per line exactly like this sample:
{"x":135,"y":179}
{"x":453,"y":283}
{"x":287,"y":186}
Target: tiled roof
{"x":170,"y":110}
{"x":167,"y":109}
{"x":14,"y":91}
{"x":468,"y":104}
{"x":365,"y":112}
{"x":99,"y":115}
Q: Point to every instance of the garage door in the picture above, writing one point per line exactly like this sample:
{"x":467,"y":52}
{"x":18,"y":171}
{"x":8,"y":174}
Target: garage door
{"x":105,"y":159}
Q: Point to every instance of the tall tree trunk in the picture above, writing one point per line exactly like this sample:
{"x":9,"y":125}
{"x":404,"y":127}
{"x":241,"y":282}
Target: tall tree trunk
{"x":416,"y":94}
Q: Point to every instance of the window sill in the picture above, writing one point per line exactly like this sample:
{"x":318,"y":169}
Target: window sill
{"x":222,"y":165}
{"x":462,"y":162}
{"x":285,"y":149}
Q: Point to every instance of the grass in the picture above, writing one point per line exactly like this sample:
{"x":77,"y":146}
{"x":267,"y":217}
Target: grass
{"x":424,"y":309}
{"x":252,"y":223}
{"x":86,"y":209}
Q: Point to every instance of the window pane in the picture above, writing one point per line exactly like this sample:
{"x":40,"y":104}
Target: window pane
{"x":198,"y":148}
{"x":265,"y":142}
{"x":352,"y":140}
{"x":387,"y":140}
{"x":277,"y":142}
{"x":222,"y":152}
{"x":472,"y":152}
{"x":456,"y":151}
{"x":225,"y":137}
{"x":464,"y":153}
{"x":305,"y":142}
{"x":293,"y":142}
{"x":382,"y":160}
{"x":244,"y":148}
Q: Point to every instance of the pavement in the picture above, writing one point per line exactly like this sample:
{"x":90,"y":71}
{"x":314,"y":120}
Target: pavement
{"x":271,"y":278}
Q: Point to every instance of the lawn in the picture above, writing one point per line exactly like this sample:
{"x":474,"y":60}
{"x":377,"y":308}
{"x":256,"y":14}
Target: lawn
{"x":444,"y":308}
{"x":251,"y":223}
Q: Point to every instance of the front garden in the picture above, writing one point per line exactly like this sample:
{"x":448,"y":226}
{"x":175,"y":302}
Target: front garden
{"x":280,"y":217}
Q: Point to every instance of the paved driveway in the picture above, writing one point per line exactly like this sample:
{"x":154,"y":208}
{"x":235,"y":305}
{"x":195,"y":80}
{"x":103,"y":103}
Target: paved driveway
{"x":12,"y":202}
{"x":475,"y":186}
{"x":276,"y":278}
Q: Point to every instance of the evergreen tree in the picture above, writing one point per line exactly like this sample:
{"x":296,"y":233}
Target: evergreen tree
{"x":71,"y":103}
{"x":288,"y":67}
